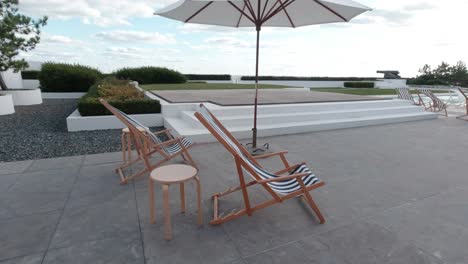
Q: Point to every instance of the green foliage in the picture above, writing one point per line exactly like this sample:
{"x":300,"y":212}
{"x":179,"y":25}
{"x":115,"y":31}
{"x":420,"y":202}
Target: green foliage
{"x":149,"y":74}
{"x":359,"y":84}
{"x":296,"y":78}
{"x":29,"y":75}
{"x":17,"y":33}
{"x":208,"y":77}
{"x":444,"y":74}
{"x":118,"y":93}
{"x":62,"y":77}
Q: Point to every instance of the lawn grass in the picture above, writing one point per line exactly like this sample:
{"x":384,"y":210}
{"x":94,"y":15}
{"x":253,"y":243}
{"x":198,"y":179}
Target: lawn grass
{"x":207,"y":86}
{"x":365,"y":91}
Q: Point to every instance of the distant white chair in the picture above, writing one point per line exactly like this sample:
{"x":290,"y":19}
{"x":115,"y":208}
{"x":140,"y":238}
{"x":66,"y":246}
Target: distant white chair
{"x":405,"y":94}
{"x":436,"y":105}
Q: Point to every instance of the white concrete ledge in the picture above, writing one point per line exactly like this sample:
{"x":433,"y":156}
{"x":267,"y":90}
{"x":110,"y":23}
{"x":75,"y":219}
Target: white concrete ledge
{"x":24,"y":96}
{"x":76,"y":122}
{"x":62,"y":95}
{"x":6,"y":104}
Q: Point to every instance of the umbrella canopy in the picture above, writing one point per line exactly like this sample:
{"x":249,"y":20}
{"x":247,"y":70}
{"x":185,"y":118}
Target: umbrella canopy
{"x":262,"y":13}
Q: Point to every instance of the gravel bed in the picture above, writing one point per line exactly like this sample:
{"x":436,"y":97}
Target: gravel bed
{"x":40,"y":131}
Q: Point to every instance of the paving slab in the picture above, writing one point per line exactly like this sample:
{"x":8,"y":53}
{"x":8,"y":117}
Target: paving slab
{"x":31,"y":259}
{"x":56,"y":163}
{"x":14,"y":167}
{"x":115,"y":251}
{"x":109,"y":157}
{"x":26,"y":235}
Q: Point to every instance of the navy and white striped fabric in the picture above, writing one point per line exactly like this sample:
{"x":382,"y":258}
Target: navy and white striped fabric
{"x":169,"y":149}
{"x":436,"y":102}
{"x":404,"y":93}
{"x":282,"y":187}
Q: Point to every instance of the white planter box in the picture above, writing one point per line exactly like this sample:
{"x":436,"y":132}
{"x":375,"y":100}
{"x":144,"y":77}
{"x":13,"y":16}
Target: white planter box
{"x":62,"y":95}
{"x":31,"y":84}
{"x":6,"y":104}
{"x":25,"y":97}
{"x":76,"y":122}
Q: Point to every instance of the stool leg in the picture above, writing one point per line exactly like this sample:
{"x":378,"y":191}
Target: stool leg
{"x":129,"y":146}
{"x":124,"y":149}
{"x":182,"y":197}
{"x":151,"y":201}
{"x":200,"y":211}
{"x":167,"y":213}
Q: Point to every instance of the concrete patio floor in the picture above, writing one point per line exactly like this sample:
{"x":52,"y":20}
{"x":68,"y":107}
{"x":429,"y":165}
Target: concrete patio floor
{"x":395,"y":194}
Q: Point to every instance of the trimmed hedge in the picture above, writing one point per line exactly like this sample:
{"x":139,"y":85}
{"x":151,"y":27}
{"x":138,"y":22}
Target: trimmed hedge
{"x":63,"y":77}
{"x":359,"y":84}
{"x":118,"y":93}
{"x":208,"y":77}
{"x":296,"y":78}
{"x":150,"y":75}
{"x":30,"y":75}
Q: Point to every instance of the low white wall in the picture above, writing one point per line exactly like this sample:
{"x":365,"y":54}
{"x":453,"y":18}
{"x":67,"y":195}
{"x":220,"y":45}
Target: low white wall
{"x":390,"y":83}
{"x":25,"y":97}
{"x":31,"y":84}
{"x":62,"y":95}
{"x":76,"y":122}
{"x":13,"y":80}
{"x":6,"y":104}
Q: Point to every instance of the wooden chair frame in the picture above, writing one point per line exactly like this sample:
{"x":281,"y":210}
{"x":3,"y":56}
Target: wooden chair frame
{"x":465,"y":94}
{"x":436,"y":105}
{"x":241,"y":164}
{"x":146,"y":148}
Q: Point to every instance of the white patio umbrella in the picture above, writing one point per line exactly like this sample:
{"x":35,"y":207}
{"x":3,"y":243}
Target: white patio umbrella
{"x":262,"y":13}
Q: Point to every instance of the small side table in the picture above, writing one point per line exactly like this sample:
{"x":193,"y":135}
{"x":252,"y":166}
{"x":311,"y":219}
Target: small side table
{"x":126,"y":139}
{"x":172,"y":174}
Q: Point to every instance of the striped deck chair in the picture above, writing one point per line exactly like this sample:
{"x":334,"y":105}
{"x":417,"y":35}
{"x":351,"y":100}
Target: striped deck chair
{"x":405,"y":94}
{"x":464,"y":93}
{"x":292,"y":181}
{"x":436,"y":105}
{"x":148,"y":143}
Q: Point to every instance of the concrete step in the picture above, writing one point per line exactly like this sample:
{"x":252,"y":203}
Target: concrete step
{"x":294,"y":117}
{"x":182,"y":127}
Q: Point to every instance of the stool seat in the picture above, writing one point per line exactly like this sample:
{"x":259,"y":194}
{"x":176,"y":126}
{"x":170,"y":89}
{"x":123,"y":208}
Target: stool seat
{"x":173,"y":173}
{"x":126,"y":130}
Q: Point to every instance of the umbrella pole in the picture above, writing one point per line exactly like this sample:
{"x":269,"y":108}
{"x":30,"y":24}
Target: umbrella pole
{"x":254,"y":130}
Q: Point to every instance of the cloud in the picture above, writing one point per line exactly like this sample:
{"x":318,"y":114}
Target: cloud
{"x":99,"y":12}
{"x":55,"y":39}
{"x":228,"y":42}
{"x":136,"y":36}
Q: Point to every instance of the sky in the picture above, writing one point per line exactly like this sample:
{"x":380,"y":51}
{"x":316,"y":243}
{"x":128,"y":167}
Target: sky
{"x":110,"y":34}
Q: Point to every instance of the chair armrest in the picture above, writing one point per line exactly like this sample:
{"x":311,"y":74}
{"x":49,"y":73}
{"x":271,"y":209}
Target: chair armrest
{"x":269,"y":155}
{"x":168,"y":142}
{"x":282,"y":178}
{"x":165,"y":131}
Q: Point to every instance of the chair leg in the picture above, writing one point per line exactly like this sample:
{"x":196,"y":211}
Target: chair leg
{"x":129,"y":146}
{"x":314,"y":207}
{"x":124,"y":150}
{"x":151,"y":201}
{"x":167,"y":213}
{"x":199,"y":203}
{"x":182,"y":197}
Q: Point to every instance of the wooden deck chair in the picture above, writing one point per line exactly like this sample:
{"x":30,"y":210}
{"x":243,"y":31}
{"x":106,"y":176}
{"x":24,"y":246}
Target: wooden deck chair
{"x":405,"y":94}
{"x":292,"y":181}
{"x":436,"y":105}
{"x":148,"y":143}
{"x":464,"y":93}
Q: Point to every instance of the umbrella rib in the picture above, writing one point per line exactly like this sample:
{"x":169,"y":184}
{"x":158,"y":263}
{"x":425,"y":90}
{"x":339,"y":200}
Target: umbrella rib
{"x":240,"y":17}
{"x":264,"y":8}
{"x":270,"y":10}
{"x":242,"y":12}
{"x":198,"y":12}
{"x":281,"y":7}
{"x":287,"y":15}
{"x":331,"y":10}
{"x":250,"y":7}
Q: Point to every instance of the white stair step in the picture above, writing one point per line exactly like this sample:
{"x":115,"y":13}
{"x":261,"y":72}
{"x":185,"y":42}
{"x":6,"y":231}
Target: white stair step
{"x":242,"y":132}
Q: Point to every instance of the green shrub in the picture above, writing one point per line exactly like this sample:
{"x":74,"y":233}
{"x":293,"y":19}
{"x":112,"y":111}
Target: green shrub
{"x":208,"y":77}
{"x":150,"y":75}
{"x":29,"y":75}
{"x":63,"y":77}
{"x":359,"y":84}
{"x":118,"y":93}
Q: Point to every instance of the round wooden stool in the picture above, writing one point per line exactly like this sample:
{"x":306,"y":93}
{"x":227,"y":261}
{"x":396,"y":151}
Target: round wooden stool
{"x":126,"y":139}
{"x":167,"y":175}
